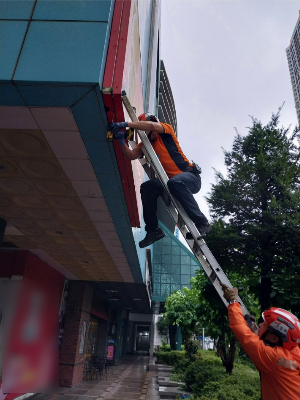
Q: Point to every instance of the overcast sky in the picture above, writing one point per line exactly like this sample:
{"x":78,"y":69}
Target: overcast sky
{"x":225,"y":61}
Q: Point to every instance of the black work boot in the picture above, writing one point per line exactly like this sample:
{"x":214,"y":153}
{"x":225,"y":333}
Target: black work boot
{"x":151,"y":237}
{"x":203,"y":230}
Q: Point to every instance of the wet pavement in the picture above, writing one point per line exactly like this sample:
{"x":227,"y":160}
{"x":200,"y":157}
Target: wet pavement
{"x":127,"y":380}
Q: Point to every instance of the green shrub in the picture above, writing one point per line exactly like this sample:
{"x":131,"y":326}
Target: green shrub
{"x":207,"y":377}
{"x":209,"y":381}
{"x":202,"y":371}
{"x":164,"y":346}
{"x":243,"y":384}
{"x":191,"y":348}
{"x":245,"y":360}
{"x":171,"y":358}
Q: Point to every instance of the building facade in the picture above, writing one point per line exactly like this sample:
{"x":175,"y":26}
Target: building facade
{"x":71,"y":210}
{"x":293,"y":58}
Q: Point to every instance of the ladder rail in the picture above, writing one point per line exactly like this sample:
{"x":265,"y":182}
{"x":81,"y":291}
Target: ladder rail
{"x":198,"y":247}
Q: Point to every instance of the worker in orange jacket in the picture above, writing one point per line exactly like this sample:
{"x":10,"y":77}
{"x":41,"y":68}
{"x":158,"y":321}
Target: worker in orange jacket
{"x":274,"y":349}
{"x":184,"y":182}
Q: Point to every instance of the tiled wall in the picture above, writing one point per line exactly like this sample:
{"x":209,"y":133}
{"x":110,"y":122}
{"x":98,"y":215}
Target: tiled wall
{"x":54,"y":40}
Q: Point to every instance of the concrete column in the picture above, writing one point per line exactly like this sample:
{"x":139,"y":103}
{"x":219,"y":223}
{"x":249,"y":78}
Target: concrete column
{"x":118,"y":333}
{"x":125,"y":335}
{"x":178,"y":338}
{"x":77,"y":318}
{"x":152,"y":335}
{"x":2,"y":229}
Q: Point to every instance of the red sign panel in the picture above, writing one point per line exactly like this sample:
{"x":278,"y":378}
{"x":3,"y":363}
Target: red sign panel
{"x":30,"y":336}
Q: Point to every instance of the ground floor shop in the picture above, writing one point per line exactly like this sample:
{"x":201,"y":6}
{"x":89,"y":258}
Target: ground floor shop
{"x":89,"y":326}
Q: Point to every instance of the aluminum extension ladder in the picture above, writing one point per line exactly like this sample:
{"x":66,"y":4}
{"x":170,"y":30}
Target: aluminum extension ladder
{"x":153,"y":167}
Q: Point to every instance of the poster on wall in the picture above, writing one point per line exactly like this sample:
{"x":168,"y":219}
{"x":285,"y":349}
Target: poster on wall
{"x":110,"y":353}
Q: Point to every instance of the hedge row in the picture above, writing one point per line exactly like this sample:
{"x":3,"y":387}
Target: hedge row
{"x":208,"y":380}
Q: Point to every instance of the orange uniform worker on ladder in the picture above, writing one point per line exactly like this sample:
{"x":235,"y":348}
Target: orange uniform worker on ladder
{"x":184,"y":176}
{"x":274,"y":350}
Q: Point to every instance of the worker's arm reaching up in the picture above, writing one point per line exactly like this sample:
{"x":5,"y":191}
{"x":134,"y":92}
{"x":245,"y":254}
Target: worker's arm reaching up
{"x":151,"y":129}
{"x":147,"y":126}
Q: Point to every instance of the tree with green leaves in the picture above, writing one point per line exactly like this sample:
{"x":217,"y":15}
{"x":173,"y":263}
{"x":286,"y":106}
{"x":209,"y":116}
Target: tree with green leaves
{"x":181,"y":310}
{"x":256,"y":212}
{"x":163,"y":327}
{"x":212,"y":314}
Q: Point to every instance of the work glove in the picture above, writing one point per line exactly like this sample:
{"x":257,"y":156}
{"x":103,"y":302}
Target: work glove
{"x":120,"y":137}
{"x":115,"y":127}
{"x":229,"y":293}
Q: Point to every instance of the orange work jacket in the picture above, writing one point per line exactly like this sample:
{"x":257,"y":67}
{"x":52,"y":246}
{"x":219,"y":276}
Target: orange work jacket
{"x":169,"y":152}
{"x":279,"y":368}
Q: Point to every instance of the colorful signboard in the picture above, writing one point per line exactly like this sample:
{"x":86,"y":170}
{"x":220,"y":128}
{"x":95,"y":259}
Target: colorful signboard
{"x":110,"y":353}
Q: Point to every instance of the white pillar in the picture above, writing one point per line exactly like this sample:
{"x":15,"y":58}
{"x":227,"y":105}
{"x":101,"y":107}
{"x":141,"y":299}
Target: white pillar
{"x":152,"y":331}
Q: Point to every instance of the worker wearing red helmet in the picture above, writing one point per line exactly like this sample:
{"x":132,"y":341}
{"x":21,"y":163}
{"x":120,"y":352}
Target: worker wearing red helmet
{"x":274,"y":349}
{"x":184,"y":177}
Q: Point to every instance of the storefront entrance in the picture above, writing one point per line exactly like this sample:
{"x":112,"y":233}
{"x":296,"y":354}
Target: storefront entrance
{"x":142,"y":338}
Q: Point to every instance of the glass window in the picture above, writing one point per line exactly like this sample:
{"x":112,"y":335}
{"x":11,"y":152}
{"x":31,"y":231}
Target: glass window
{"x":171,"y":266}
{"x":156,"y":289}
{"x":82,"y":337}
{"x":185,"y":279}
{"x":166,"y":240}
{"x":185,"y":269}
{"x":165,"y":278}
{"x":176,"y":259}
{"x":157,"y":257}
{"x":158,"y":268}
{"x":166,"y":249}
{"x":176,"y":279}
{"x":166,"y":258}
{"x":186,"y":260}
{"x":175,"y":269}
{"x":167,"y":267}
{"x":165,"y":290}
{"x":194,"y":268}
{"x":92,"y":337}
{"x":175,"y":287}
{"x":176,"y":249}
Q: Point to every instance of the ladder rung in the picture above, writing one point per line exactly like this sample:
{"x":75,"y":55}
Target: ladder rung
{"x":212,"y":276}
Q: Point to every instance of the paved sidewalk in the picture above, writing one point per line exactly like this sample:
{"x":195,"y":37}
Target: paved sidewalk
{"x":130,"y":380}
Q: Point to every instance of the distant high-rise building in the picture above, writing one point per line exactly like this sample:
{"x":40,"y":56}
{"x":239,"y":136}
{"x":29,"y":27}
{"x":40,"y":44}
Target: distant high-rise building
{"x":293,"y":56}
{"x":166,"y":104}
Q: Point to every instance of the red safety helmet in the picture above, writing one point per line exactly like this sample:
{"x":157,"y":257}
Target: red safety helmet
{"x":285,"y":325}
{"x":148,"y":117}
